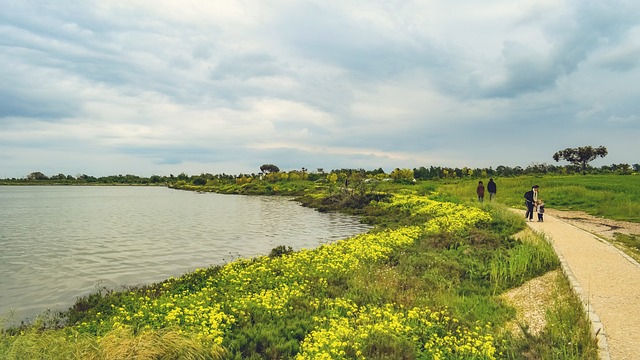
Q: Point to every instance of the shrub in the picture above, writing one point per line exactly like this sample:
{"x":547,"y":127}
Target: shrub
{"x":199,"y":181}
{"x":280,"y":250}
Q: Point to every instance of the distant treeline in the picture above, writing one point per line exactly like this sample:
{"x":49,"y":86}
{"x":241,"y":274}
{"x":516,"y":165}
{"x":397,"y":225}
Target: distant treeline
{"x":437,"y":172}
{"x":421,"y":173}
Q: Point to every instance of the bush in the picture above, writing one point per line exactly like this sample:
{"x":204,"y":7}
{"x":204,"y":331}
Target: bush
{"x":280,"y":250}
{"x":200,"y":181}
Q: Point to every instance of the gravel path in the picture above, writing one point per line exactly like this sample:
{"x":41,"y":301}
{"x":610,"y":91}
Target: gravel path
{"x":607,"y":280}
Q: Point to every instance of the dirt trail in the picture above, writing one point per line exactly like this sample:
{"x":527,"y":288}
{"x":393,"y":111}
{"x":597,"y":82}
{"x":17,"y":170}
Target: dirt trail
{"x":606,"y":279}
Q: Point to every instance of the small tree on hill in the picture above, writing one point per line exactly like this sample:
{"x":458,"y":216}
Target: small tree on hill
{"x":580,"y":156}
{"x":269,"y":168}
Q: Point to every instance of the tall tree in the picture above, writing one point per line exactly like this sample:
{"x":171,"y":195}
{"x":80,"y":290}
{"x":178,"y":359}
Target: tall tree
{"x":37,"y":176}
{"x":581,"y":155}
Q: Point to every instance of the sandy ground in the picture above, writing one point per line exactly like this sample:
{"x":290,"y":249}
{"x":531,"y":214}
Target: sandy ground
{"x":606,"y":279}
{"x":602,"y":227}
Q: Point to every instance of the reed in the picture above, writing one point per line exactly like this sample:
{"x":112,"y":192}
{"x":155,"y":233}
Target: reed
{"x":167,"y":344}
{"x":518,"y":264}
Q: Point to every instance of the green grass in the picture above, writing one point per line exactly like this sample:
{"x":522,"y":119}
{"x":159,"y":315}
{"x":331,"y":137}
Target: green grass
{"x":610,"y":196}
{"x":630,"y":244}
{"x":630,"y":241}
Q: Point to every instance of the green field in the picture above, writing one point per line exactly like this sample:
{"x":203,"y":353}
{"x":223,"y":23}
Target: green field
{"x":610,"y":196}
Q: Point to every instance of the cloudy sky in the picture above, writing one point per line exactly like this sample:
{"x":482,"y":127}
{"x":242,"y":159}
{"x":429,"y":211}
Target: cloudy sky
{"x":162,"y":87}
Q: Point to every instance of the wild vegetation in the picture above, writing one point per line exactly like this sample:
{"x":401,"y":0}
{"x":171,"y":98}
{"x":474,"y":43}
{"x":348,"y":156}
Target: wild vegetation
{"x":425,"y":283}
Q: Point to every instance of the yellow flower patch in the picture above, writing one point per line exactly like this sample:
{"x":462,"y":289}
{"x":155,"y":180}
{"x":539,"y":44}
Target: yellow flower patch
{"x":272,"y":285}
{"x":347,"y":330}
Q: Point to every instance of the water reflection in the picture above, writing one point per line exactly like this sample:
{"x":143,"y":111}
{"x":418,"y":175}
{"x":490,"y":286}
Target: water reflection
{"x":59,"y":243}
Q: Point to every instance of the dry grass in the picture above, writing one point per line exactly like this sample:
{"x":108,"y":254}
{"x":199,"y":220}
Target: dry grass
{"x":154,"y":345}
{"x":533,"y":298}
{"x":117,"y":345}
{"x":531,"y":301}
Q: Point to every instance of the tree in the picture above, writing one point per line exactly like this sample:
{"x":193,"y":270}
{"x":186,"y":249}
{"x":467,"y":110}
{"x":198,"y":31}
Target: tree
{"x":402,"y":175}
{"x":269,"y":168}
{"x":200,"y":181}
{"x":580,"y":156}
{"x":37,"y":176}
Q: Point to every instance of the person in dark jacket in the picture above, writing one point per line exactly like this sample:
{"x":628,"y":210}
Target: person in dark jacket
{"x":492,"y":188}
{"x":531,"y":198}
{"x":480,"y":191}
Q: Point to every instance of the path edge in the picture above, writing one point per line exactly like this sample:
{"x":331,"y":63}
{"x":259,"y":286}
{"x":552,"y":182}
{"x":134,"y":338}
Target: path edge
{"x":597,"y":328}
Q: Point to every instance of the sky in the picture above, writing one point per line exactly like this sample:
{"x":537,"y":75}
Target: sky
{"x":156,"y":87}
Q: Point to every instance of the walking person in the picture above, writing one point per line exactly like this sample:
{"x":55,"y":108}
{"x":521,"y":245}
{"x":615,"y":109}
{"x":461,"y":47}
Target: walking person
{"x":540,"y":210}
{"x":492,"y":188}
{"x":531,"y":197}
{"x":480,"y":191}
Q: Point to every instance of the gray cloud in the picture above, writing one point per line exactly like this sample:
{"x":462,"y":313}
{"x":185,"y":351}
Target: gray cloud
{"x":142,"y":87}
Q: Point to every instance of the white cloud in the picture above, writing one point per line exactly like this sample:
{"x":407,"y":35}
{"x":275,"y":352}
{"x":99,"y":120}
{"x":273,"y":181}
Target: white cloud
{"x":161,"y":87}
{"x":591,"y":112}
{"x":623,"y":55}
{"x":633,"y":119}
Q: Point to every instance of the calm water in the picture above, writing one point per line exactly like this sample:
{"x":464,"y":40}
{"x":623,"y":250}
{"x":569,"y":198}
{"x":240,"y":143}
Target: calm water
{"x":59,"y":243}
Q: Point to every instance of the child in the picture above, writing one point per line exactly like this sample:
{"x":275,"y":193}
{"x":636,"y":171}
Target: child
{"x":480,"y":191}
{"x":540,"y":206}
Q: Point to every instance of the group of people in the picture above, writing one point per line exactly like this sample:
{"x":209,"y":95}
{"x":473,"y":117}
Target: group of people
{"x":532,"y":202}
{"x":491,"y":188}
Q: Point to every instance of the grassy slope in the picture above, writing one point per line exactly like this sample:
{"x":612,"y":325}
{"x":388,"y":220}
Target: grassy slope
{"x":461,"y":274}
{"x":611,"y":196}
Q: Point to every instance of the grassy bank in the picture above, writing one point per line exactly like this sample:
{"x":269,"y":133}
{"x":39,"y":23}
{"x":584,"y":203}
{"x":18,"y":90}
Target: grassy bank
{"x":614,"y":197}
{"x":424,"y":284}
{"x":610,"y":196}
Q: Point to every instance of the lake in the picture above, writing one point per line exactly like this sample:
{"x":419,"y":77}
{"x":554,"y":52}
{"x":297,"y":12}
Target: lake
{"x":58,"y":243}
